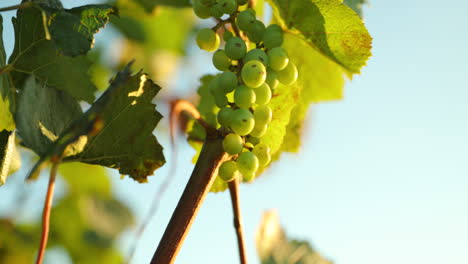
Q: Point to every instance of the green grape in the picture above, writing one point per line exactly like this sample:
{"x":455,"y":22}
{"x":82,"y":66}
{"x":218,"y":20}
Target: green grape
{"x":207,"y":40}
{"x":256,"y":31}
{"x":256,"y":54}
{"x":247,"y":162}
{"x":263,"y":114}
{"x":275,"y":27}
{"x":248,"y":177}
{"x":228,"y":171}
{"x":272,"y":79}
{"x":227,"y":81}
{"x":228,"y":6}
{"x":253,"y":73}
{"x":272,"y":37}
{"x":201,"y":10}
{"x":288,"y":75}
{"x":262,"y":151}
{"x":220,"y":99}
{"x":227,"y":35}
{"x":246,"y":19}
{"x":233,"y":144}
{"x":263,"y":94}
{"x":213,"y":86}
{"x":253,"y":140}
{"x":242,"y":121}
{"x":242,"y":2}
{"x":207,"y":2}
{"x":216,"y":10}
{"x":224,"y":116}
{"x":259,"y":130}
{"x":235,"y":48}
{"x":244,"y":97}
{"x":278,"y":58}
{"x":221,"y":60}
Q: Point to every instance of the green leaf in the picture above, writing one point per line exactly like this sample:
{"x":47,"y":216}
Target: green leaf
{"x":73,"y":30}
{"x":7,"y":146}
{"x":43,"y":114}
{"x":84,"y":178}
{"x":128,"y":117}
{"x":319,"y":80}
{"x":6,"y":93}
{"x":274,"y":247}
{"x":356,"y":5}
{"x":34,"y":54}
{"x":18,"y":243}
{"x":329,"y":26}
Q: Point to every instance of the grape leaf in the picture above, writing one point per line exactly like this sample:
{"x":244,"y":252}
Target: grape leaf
{"x":6,"y":95}
{"x":73,"y":30}
{"x":7,"y":145}
{"x":274,"y":247}
{"x":43,"y":114}
{"x":319,"y":79}
{"x":34,"y":54}
{"x":330,"y":26}
{"x":356,"y":5}
{"x":129,"y":118}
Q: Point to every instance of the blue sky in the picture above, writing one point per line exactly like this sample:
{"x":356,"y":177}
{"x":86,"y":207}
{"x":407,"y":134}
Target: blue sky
{"x":382,"y":176}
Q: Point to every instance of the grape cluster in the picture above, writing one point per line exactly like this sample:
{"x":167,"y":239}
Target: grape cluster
{"x":250,"y":73}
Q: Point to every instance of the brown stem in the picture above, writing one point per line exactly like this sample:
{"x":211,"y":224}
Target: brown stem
{"x":252,"y":3}
{"x":197,"y":188}
{"x":46,"y":213}
{"x":234,"y":192}
{"x":19,"y":6}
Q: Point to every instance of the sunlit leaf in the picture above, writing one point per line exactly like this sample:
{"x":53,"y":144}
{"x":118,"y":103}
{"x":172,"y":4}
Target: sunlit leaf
{"x":85,"y":178}
{"x":34,"y":54}
{"x":329,"y":26}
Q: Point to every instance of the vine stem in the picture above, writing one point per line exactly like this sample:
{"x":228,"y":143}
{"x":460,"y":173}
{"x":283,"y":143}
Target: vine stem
{"x":252,"y":3}
{"x":46,"y":213}
{"x":198,"y":186}
{"x":235,"y":200}
{"x":19,"y":6}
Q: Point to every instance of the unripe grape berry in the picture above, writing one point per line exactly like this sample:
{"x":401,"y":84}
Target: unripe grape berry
{"x":242,"y":2}
{"x":259,"y":130}
{"x":220,"y":99}
{"x":275,"y":27}
{"x":244,"y":97}
{"x":207,"y":40}
{"x":227,"y":81}
{"x":288,"y":75}
{"x":256,"y":54}
{"x":242,"y":121}
{"x":278,"y":58}
{"x":216,"y":10}
{"x":233,"y":144}
{"x":235,"y":48}
{"x":224,"y":116}
{"x":253,"y":73}
{"x":272,"y":37}
{"x":272,"y":79}
{"x":263,"y":114}
{"x":262,"y":151}
{"x":248,"y":177}
{"x":263,"y":94}
{"x":213,"y":86}
{"x":228,"y":6}
{"x":227,"y":35}
{"x":221,"y":60}
{"x":245,"y":20}
{"x":253,"y":140}
{"x":201,"y":10}
{"x":247,"y":162}
{"x":256,"y":32}
{"x":207,"y":2}
{"x":228,"y":171}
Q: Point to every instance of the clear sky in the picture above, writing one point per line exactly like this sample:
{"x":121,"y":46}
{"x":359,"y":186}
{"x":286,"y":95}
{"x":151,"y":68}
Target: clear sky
{"x":382,"y":176}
